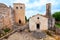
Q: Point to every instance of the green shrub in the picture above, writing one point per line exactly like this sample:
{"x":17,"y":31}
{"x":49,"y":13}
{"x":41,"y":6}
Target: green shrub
{"x":6,"y":30}
{"x":56,"y":15}
{"x":57,"y":25}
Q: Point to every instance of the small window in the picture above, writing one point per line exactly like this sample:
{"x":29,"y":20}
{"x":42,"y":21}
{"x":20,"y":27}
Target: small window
{"x":20,"y":7}
{"x":16,"y":7}
{"x":37,"y":17}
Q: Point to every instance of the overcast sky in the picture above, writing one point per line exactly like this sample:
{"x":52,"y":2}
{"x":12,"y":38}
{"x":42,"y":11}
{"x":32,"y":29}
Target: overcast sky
{"x":34,"y":7}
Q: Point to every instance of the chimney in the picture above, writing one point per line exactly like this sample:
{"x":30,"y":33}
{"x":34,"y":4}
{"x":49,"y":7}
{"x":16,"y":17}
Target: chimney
{"x":48,"y":10}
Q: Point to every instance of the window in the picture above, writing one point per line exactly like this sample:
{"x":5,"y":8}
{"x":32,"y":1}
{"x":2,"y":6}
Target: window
{"x":38,"y":26}
{"x":20,"y":7}
{"x":37,"y":17}
{"x":16,"y":7}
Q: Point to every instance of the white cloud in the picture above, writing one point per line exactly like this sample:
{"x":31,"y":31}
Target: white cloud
{"x":21,"y":1}
{"x":40,"y":3}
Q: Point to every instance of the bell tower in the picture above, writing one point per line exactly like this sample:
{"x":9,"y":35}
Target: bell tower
{"x":19,"y":11}
{"x":48,"y":14}
{"x":48,"y":10}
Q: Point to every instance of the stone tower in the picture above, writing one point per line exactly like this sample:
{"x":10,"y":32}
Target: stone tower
{"x":19,"y":10}
{"x":48,"y":14}
{"x":48,"y":10}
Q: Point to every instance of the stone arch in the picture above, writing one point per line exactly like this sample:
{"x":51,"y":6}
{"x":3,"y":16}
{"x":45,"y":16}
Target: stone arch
{"x":19,"y":21}
{"x":38,"y":26}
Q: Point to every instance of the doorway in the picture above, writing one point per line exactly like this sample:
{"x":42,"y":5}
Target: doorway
{"x":19,"y":21}
{"x":38,"y":26}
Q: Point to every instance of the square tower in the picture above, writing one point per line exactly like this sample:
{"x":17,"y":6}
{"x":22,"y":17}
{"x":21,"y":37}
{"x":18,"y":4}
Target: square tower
{"x":48,"y":10}
{"x":19,"y":11}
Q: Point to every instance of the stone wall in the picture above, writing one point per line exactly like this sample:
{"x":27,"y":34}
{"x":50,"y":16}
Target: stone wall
{"x":4,"y":11}
{"x":42,"y":21}
{"x":19,"y":12}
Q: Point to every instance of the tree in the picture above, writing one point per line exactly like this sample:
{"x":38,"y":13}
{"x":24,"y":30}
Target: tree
{"x":25,"y":18}
{"x":56,"y":15}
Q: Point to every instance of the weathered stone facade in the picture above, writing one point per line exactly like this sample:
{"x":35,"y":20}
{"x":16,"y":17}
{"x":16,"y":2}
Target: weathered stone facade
{"x":4,"y":15}
{"x":19,"y":10}
{"x":11,"y":15}
{"x":38,"y":23}
{"x":51,"y":20}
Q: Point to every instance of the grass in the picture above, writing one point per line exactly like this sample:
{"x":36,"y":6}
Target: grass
{"x":57,"y":25}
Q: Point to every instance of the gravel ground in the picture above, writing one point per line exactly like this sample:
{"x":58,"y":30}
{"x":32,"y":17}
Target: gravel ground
{"x":22,"y":36}
{"x":26,"y":36}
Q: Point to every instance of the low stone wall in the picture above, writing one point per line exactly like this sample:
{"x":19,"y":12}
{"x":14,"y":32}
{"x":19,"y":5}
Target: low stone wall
{"x":57,"y":30}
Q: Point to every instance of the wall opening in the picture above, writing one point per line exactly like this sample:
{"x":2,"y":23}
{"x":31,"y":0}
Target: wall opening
{"x":19,"y":21}
{"x":16,"y":7}
{"x":38,"y":26}
{"x":20,"y":7}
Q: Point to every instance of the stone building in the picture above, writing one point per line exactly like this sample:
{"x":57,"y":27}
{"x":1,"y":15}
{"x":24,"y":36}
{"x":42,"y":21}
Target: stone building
{"x":42,"y":22}
{"x":38,"y":22}
{"x":10,"y":15}
{"x":51,"y":20}
{"x":19,"y":10}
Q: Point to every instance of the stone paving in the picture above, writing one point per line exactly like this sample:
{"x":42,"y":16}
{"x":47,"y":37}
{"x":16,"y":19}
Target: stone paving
{"x":26,"y":36}
{"x":22,"y":36}
{"x":39,"y":35}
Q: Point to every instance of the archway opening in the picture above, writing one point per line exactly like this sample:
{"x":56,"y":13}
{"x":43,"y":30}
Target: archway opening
{"x":19,"y":21}
{"x":38,"y":26}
